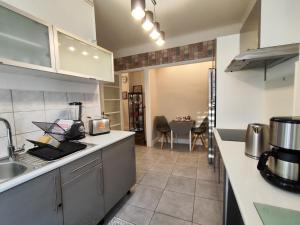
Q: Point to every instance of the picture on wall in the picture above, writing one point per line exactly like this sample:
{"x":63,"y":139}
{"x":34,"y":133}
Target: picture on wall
{"x":124,"y":95}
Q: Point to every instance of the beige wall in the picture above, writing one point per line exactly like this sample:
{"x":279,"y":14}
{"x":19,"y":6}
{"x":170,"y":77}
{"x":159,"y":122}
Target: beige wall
{"x":180,"y":90}
{"x":125,"y":87}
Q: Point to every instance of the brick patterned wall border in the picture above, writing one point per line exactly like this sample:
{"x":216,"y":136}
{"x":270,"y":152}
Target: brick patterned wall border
{"x":195,"y":51}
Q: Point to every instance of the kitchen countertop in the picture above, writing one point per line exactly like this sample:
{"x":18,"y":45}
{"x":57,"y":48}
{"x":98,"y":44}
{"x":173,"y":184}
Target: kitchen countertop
{"x":248,"y":185}
{"x":99,"y":142}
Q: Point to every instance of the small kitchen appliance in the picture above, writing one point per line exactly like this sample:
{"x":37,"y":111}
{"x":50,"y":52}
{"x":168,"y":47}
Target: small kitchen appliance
{"x":257,"y":140}
{"x":99,"y":126}
{"x":77,"y":130}
{"x":281,"y":165}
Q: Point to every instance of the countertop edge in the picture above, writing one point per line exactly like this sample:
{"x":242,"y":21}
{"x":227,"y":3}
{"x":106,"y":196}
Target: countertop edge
{"x":237,"y":195}
{"x":67,"y":159}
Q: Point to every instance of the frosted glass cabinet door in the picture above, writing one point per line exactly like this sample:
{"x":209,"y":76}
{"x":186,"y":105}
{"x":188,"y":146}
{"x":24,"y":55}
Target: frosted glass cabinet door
{"x":80,"y":58}
{"x":24,"y":41}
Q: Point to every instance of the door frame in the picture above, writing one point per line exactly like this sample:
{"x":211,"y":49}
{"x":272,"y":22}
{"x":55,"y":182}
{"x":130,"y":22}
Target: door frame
{"x":146,"y":70}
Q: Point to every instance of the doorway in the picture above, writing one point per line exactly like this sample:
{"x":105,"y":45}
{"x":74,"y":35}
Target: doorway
{"x":133,"y":104}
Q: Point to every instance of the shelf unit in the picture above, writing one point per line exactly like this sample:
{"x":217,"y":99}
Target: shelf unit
{"x":111,"y":102}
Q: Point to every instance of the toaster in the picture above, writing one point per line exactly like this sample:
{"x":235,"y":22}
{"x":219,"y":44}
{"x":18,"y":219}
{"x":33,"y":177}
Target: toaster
{"x":99,"y":126}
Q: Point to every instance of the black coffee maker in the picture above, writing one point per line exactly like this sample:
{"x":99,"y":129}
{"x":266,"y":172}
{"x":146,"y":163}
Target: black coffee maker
{"x":77,"y":130}
{"x":281,"y":165}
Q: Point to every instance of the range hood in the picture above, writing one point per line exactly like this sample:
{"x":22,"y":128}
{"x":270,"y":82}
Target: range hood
{"x":263,"y":57}
{"x":255,"y":55}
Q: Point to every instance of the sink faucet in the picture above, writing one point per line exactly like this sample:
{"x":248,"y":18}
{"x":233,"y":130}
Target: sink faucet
{"x":10,"y":148}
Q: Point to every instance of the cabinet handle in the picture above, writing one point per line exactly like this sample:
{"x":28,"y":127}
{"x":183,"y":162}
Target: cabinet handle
{"x":83,"y":166}
{"x":101,"y":180}
{"x":57,"y":189}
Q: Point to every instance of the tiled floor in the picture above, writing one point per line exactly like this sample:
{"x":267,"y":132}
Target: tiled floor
{"x":173,"y":188}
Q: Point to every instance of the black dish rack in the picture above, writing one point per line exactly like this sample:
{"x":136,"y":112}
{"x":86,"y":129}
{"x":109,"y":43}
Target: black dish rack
{"x":49,"y":152}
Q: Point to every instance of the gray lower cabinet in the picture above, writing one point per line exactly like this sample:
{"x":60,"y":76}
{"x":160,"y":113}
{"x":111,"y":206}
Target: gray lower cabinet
{"x":82,"y":191}
{"x":36,"y":202}
{"x":119,"y":171}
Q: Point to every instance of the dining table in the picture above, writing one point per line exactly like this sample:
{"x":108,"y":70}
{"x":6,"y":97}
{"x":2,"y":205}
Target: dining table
{"x":182,"y":128}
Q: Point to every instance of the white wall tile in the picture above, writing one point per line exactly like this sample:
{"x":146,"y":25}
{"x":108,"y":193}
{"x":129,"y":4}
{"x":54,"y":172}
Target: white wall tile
{"x":91,"y":99}
{"x":5,"y":100}
{"x":56,"y":100}
{"x":22,"y":139}
{"x":3,"y":146}
{"x":75,"y":97}
{"x":53,"y":115}
{"x":23,"y":121}
{"x":10,"y":118}
{"x":27,"y":100}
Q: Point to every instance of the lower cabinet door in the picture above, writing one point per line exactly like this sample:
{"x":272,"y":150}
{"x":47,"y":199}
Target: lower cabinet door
{"x":119,"y":171}
{"x":36,"y":202}
{"x":83,"y":202}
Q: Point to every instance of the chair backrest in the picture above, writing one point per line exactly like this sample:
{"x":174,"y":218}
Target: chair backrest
{"x":203,"y":127}
{"x":161,"y":123}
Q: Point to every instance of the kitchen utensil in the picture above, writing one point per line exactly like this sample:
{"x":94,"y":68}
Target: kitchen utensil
{"x":285,"y":132}
{"x":77,"y":130}
{"x":281,"y":165}
{"x":99,"y":126}
{"x":257,"y":140}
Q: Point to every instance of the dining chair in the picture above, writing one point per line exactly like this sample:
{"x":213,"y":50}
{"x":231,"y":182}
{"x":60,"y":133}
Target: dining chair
{"x":198,"y":132}
{"x":163,"y":127}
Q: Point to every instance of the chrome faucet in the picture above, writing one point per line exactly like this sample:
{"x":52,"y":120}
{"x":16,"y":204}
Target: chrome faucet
{"x":11,"y":147}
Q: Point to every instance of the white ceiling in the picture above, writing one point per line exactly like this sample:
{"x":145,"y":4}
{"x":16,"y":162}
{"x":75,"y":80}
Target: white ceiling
{"x":116,"y":29}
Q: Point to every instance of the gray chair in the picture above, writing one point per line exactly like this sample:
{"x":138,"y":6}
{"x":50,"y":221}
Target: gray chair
{"x":198,"y":132}
{"x":163,"y":127}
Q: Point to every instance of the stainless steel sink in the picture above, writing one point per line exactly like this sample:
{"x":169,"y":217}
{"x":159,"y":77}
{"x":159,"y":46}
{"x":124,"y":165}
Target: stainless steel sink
{"x":9,"y":170}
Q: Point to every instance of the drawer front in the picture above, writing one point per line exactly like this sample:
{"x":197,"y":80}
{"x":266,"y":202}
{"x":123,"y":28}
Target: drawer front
{"x":80,"y":166}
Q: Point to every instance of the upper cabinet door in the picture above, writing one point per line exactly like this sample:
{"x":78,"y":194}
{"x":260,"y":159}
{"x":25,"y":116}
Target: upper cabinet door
{"x":77,"y":57}
{"x":24,"y":41}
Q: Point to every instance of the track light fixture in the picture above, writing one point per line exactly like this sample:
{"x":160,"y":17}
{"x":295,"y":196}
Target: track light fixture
{"x":148,"y":21}
{"x":138,"y":12}
{"x":138,"y":9}
{"x":161,"y":40}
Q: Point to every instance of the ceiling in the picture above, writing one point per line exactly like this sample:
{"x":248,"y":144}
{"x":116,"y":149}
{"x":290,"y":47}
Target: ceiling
{"x":116,"y":29}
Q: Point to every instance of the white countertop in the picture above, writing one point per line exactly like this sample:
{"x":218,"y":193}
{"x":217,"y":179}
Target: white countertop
{"x":100,"y":142}
{"x":248,"y":185}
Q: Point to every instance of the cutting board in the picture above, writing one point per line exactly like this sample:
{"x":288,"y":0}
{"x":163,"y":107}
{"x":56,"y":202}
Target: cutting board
{"x":271,"y":215}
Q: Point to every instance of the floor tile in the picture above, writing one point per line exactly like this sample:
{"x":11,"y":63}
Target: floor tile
{"x":160,"y":219}
{"x":162,"y":168}
{"x":181,"y":184}
{"x":139,"y":175}
{"x":207,"y":189}
{"x":190,"y":172}
{"x":207,"y":211}
{"x":191,"y":162}
{"x":155,"y":179}
{"x":145,"y":197}
{"x":206,"y":173}
{"x":135,"y":215}
{"x":177,"y":205}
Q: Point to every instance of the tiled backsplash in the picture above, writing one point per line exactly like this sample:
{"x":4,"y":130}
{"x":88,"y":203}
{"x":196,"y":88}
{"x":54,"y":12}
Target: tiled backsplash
{"x":20,"y":108}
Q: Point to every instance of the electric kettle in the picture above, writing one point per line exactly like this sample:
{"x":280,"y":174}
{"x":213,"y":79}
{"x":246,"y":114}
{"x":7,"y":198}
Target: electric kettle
{"x":257,"y":140}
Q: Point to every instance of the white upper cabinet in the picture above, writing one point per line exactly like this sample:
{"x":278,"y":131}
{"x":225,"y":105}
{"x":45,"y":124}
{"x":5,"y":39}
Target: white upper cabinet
{"x":77,"y":57}
{"x":25,"y":41}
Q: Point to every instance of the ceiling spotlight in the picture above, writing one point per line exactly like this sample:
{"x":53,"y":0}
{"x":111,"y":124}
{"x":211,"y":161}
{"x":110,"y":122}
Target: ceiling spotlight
{"x":84,"y":53}
{"x":155,"y":34}
{"x":161,"y":40}
{"x":138,"y":9}
{"x":96,"y":57}
{"x":148,"y":21}
{"x":71,"y":48}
